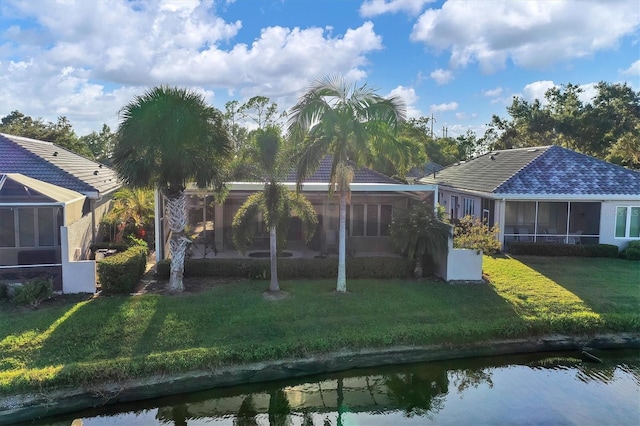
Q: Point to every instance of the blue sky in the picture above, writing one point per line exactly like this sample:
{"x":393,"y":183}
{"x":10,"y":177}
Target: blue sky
{"x":461,"y":61}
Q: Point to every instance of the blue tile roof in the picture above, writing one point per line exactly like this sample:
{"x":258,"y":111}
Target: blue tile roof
{"x":55,"y":165}
{"x":547,"y":170}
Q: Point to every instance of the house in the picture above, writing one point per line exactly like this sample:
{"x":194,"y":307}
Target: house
{"x":374,"y":198}
{"x":544,"y":194}
{"x":51,"y":204}
{"x":427,"y":169}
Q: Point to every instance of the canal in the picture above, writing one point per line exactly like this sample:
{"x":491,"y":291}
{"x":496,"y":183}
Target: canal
{"x":532,"y":389}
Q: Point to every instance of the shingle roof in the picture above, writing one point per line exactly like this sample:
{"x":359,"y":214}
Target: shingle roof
{"x":426,"y":169}
{"x":543,"y":170}
{"x":55,"y":165}
{"x":362,"y":175}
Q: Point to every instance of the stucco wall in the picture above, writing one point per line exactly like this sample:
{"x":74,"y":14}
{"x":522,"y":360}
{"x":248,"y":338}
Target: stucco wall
{"x":608,"y":222}
{"x":445,"y":200}
{"x":79,"y":232}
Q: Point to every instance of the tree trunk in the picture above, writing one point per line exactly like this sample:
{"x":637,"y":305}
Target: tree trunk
{"x":418,"y":271}
{"x":177,"y":212}
{"x":273,"y":253}
{"x":341,"y":286}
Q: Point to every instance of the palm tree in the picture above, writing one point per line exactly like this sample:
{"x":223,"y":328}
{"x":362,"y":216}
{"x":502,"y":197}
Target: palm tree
{"x":168,"y":137}
{"x":132,"y":206}
{"x":350,"y":122}
{"x":276,"y":202}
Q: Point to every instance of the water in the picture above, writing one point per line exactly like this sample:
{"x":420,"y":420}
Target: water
{"x":539,"y":389}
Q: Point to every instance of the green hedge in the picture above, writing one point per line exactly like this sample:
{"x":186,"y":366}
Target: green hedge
{"x":542,"y":249}
{"x":632,"y":252}
{"x":357,"y":267}
{"x":118,"y":274}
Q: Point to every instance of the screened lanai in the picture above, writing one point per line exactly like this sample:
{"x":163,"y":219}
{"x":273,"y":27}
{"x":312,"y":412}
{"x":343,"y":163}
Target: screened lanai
{"x":31,"y":214}
{"x":552,"y":222}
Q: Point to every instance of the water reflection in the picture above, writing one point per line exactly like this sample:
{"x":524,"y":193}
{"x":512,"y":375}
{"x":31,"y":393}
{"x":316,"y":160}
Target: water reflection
{"x":413,"y":394}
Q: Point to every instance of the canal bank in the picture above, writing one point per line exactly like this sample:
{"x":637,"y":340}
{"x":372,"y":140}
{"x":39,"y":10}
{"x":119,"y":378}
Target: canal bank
{"x":29,"y":406}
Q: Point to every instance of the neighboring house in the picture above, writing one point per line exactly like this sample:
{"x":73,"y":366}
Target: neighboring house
{"x":427,"y":169}
{"x":374,"y":198}
{"x":544,"y":194}
{"x":51,"y":204}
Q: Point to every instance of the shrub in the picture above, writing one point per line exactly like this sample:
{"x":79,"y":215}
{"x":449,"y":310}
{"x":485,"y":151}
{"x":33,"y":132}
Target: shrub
{"x":118,"y":274}
{"x":542,"y":249}
{"x":34,"y":292}
{"x":473,"y":233}
{"x":357,"y":267}
{"x":632,"y":251}
{"x":3,"y":291}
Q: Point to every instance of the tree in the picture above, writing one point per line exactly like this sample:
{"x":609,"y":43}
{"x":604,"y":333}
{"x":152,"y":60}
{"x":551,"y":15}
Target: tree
{"x":101,"y":144}
{"x":60,"y":133}
{"x":606,"y":127}
{"x":419,"y":235}
{"x":351,"y":123}
{"x":134,"y":207}
{"x":168,"y":137}
{"x":275,"y":201}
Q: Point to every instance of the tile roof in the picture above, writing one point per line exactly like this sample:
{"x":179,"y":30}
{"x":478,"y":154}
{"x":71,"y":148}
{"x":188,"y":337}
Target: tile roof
{"x":362,"y":175}
{"x":547,"y":170}
{"x":426,"y":169}
{"x":55,"y":165}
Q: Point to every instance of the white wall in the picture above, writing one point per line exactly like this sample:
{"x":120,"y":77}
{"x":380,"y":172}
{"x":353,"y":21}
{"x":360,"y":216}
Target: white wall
{"x":77,"y":276}
{"x":460,"y":264}
{"x":608,"y":222}
{"x":446,"y":201}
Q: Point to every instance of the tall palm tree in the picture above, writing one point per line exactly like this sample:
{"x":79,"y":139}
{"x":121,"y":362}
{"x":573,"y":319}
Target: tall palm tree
{"x":352,"y":123}
{"x":269,"y":163}
{"x":168,"y":137}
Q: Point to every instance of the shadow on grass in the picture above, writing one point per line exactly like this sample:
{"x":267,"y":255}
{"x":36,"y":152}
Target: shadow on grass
{"x":584,"y":293}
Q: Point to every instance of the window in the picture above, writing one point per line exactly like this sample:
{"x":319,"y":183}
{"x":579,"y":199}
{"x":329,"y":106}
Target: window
{"x":468,"y":206}
{"x":7,"y":228}
{"x":627,"y":222}
{"x":370,"y":220}
{"x":30,"y":227}
{"x":358,"y":220}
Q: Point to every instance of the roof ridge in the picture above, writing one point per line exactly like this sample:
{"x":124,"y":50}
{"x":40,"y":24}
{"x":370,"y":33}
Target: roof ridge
{"x":591,"y":158}
{"x":545,"y":151}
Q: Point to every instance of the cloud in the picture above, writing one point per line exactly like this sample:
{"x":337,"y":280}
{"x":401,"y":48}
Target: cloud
{"x":633,"y":70}
{"x":536,"y":90}
{"x":451,"y":106}
{"x":441,"y":76}
{"x":372,"y":8}
{"x":408,"y":94}
{"x":77,"y":53}
{"x":492,"y":93}
{"x":531,"y":34}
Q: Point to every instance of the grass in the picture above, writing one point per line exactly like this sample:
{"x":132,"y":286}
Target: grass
{"x":82,"y":342}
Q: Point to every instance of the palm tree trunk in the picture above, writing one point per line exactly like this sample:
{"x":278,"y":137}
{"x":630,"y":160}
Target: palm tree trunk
{"x":341,"y":286}
{"x":177,"y":212}
{"x":273,"y":253}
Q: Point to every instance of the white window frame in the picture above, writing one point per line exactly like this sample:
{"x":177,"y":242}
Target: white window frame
{"x":627,"y":229}
{"x":468,"y":207}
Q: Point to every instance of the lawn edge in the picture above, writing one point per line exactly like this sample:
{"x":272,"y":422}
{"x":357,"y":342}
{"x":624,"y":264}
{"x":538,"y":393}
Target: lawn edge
{"x":34,"y":405}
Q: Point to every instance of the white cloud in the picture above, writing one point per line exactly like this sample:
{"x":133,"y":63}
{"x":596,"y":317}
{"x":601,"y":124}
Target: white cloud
{"x":536,"y":90}
{"x":451,"y":106}
{"x":492,"y":93}
{"x":441,"y":76}
{"x":633,"y":70}
{"x":529,"y":33}
{"x":408,"y":94}
{"x":372,"y":8}
{"x":102,"y":45}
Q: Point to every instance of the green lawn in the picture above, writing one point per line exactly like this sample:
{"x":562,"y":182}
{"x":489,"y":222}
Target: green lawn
{"x":107,"y":338}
